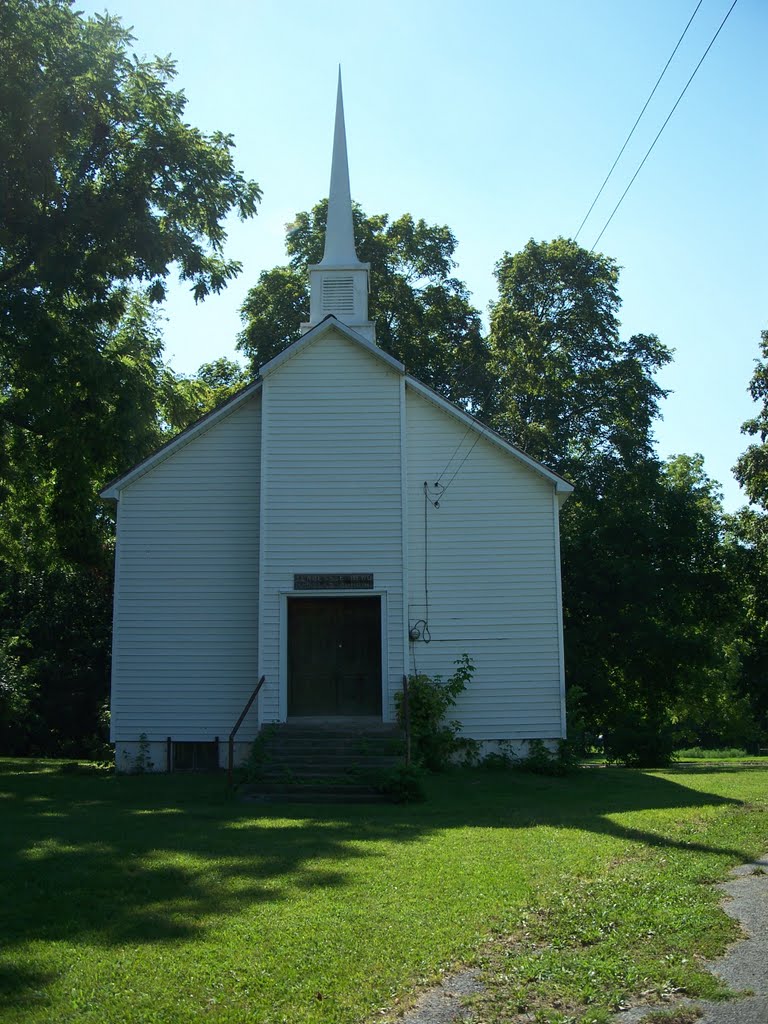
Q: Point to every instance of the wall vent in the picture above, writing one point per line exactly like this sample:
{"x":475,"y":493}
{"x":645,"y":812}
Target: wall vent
{"x":338,"y":295}
{"x":195,"y":757}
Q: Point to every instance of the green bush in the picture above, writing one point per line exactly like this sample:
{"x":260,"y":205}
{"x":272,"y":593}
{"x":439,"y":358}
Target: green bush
{"x":252,"y":770}
{"x":403,"y":785}
{"x":538,"y":759}
{"x":639,"y":741}
{"x":435,"y":741}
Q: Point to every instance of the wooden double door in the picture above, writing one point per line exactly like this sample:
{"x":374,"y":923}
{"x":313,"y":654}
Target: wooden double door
{"x":334,"y":656}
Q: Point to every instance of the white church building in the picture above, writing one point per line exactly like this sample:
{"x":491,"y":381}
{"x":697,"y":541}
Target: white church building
{"x":333,"y":527}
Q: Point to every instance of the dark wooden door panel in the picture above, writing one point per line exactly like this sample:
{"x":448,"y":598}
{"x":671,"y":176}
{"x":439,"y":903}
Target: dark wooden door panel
{"x":334,"y":656}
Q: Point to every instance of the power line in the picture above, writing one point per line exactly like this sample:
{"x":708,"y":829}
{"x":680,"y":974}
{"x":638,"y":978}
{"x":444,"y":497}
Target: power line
{"x":458,"y":468}
{"x":456,"y":450}
{"x":637,"y":122}
{"x":650,"y":148}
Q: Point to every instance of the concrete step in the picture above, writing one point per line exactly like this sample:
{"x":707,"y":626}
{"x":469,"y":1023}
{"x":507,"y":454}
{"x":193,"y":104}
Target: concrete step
{"x":328,"y":768}
{"x":302,"y":756}
{"x":290,"y":776}
{"x":310,"y":787}
{"x":326,"y":762}
{"x":299,"y":796}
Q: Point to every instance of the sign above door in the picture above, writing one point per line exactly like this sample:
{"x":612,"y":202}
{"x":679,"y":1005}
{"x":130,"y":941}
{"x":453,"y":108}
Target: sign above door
{"x":333,"y":581}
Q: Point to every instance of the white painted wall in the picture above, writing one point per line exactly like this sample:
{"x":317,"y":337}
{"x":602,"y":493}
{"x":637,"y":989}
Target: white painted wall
{"x":186,"y":600}
{"x":331,"y":491}
{"x":492,"y":574}
{"x":308,"y":476}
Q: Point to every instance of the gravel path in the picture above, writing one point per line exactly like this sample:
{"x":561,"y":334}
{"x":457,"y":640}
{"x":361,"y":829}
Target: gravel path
{"x":744,"y":967}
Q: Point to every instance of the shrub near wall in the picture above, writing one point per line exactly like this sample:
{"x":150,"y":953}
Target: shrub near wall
{"x":436,"y":741}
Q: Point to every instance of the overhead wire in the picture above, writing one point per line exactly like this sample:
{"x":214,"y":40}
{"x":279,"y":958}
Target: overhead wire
{"x":637,"y":122}
{"x":456,"y":449}
{"x":666,"y":122}
{"x":480,"y":433}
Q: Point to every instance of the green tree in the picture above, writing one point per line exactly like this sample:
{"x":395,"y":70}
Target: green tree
{"x":752,"y":468}
{"x":101,"y":179}
{"x":648,"y":623}
{"x":750,"y":537}
{"x":103,"y":187}
{"x":423,"y":314}
{"x":569,"y":389}
{"x":651,"y":608}
{"x":104,"y":190}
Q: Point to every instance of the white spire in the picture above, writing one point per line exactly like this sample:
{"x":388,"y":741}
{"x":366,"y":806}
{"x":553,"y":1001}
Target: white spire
{"x":338,"y":285}
{"x":339,"y":231}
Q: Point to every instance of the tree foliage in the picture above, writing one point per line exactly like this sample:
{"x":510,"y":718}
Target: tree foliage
{"x":752,"y":468}
{"x":749,"y":533}
{"x":568,"y":389}
{"x":649,"y":602}
{"x":101,"y":179}
{"x":104,"y":189}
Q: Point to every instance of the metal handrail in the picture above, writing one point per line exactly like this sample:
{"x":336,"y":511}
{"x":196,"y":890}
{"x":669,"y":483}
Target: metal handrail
{"x":246,"y":709}
{"x":407,"y":722}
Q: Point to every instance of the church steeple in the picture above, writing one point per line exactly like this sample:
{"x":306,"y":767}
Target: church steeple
{"x":339,"y":232}
{"x":338,"y":284}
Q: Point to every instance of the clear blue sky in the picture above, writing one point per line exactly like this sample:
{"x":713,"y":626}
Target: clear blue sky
{"x":501,"y":119}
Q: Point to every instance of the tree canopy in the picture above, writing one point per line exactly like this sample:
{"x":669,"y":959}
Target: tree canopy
{"x":752,"y":468}
{"x":568,"y":388}
{"x":105,"y":190}
{"x":101,"y":179}
{"x":749,"y":533}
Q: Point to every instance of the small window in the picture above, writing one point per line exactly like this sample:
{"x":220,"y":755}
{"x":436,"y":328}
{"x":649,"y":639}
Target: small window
{"x":338,"y":295}
{"x":195,"y":757}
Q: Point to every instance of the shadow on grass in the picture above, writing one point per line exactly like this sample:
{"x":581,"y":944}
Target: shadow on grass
{"x":156,"y":859}
{"x":20,"y":986}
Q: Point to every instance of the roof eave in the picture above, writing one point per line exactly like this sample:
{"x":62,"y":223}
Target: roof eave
{"x":112,"y":490}
{"x":561,"y":485}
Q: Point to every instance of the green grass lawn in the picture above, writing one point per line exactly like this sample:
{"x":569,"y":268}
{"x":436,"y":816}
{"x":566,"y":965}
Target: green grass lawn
{"x":161,"y":899}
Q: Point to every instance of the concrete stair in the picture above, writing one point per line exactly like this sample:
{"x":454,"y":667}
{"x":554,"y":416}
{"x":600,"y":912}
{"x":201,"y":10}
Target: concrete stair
{"x":343,"y":761}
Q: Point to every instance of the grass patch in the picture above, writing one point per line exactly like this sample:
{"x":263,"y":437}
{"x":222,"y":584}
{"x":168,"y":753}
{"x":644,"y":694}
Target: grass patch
{"x":677,"y":1015}
{"x":702,"y":754}
{"x":155,"y":900}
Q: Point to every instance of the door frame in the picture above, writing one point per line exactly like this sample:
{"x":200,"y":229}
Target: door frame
{"x":285,"y":596}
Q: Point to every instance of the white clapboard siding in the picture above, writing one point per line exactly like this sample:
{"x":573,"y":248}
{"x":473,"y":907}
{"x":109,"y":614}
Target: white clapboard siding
{"x":332,"y":492}
{"x":185,"y":655}
{"x":492,"y":576}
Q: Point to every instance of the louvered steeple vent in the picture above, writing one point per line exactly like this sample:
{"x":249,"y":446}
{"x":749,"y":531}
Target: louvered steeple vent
{"x":339,"y":283}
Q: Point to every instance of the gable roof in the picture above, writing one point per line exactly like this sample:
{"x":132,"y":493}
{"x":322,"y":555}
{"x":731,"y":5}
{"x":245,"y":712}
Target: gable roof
{"x":330,"y":323}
